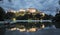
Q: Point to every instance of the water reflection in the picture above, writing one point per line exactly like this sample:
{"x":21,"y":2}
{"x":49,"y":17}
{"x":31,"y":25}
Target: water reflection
{"x":31,"y":27}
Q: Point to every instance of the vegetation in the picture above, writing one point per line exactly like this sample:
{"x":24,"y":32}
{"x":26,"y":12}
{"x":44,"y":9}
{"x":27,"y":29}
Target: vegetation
{"x":2,"y":14}
{"x":56,"y":20}
{"x":10,"y":15}
{"x":2,"y":17}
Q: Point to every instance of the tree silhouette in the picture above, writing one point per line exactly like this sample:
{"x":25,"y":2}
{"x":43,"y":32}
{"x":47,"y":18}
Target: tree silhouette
{"x":38,"y":16}
{"x":2,"y":17}
{"x":2,"y":14}
{"x":19,"y":18}
{"x":10,"y":15}
{"x":27,"y":16}
{"x":57,"y":20}
{"x":48,"y":17}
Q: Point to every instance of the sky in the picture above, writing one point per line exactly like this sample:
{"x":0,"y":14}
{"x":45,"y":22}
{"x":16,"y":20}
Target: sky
{"x":46,"y":6}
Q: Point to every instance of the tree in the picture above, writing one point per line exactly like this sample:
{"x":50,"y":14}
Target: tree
{"x":48,"y":17}
{"x":38,"y":16}
{"x":19,"y":18}
{"x":57,"y":20}
{"x":2,"y":17}
{"x":10,"y":15}
{"x":27,"y":16}
{"x":2,"y":14}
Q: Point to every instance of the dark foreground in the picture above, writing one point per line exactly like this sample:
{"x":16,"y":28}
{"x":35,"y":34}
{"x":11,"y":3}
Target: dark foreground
{"x":39,"y":32}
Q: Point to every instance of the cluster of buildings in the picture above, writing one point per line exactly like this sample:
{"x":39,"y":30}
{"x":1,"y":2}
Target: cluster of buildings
{"x":29,"y":10}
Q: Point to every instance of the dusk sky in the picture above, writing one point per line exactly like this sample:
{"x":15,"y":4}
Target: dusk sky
{"x":47,"y":6}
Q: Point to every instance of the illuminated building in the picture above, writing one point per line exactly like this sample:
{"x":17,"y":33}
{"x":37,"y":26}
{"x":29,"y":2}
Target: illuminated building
{"x":22,"y":10}
{"x":31,"y":10}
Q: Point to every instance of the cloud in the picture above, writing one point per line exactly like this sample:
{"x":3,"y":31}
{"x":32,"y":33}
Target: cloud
{"x":38,"y":4}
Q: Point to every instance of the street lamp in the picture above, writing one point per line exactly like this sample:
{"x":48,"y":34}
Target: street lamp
{"x":43,"y":14}
{"x":14,"y":19}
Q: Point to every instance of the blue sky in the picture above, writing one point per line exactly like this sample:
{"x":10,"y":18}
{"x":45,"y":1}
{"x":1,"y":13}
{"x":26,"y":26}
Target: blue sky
{"x":42,"y":5}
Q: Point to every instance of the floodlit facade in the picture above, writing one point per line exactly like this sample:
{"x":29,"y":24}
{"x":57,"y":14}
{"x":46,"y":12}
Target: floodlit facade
{"x":31,"y":10}
{"x":22,"y":10}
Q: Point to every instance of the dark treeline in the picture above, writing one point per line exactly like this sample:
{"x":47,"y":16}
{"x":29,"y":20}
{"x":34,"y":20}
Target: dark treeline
{"x":56,"y":20}
{"x":2,"y":14}
{"x":2,"y":17}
